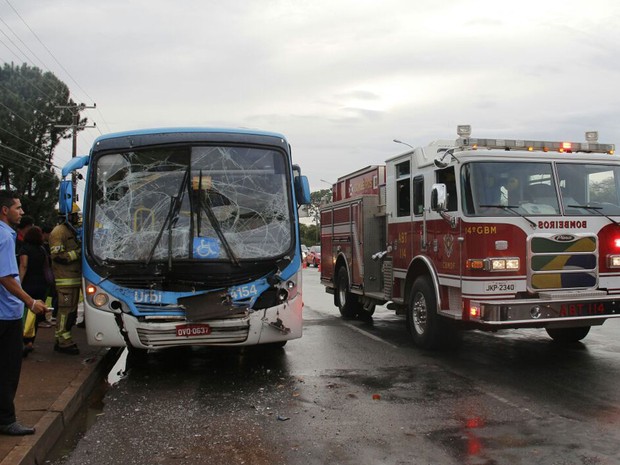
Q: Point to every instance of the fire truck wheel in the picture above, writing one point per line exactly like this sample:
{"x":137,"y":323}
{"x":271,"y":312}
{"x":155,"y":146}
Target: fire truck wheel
{"x":568,"y":335}
{"x":348,"y":303}
{"x":422,"y":320}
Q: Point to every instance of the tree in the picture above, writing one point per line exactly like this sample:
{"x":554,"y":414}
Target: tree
{"x":29,"y":113}
{"x":310,"y":234}
{"x":318,"y":199}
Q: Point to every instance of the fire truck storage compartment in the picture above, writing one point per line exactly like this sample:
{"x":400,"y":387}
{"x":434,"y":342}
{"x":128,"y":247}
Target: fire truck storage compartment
{"x":354,"y":230}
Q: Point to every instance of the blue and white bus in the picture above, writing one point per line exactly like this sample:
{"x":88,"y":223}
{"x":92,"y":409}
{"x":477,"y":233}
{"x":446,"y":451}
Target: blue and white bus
{"x":190,"y":237}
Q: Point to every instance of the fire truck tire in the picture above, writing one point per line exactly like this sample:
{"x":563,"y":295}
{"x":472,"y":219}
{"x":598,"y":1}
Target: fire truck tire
{"x":422,"y":320}
{"x":568,"y":335}
{"x":348,"y":304}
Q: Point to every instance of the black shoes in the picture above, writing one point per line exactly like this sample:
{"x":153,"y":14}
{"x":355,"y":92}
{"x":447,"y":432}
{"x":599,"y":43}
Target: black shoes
{"x":15,"y":429}
{"x":70,"y":349}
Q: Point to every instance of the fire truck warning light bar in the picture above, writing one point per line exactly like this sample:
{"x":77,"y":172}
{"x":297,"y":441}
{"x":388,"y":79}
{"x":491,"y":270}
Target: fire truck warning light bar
{"x":592,"y":146}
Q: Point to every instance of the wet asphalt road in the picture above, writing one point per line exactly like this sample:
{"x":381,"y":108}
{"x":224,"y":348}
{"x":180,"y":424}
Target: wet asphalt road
{"x":351,"y":392}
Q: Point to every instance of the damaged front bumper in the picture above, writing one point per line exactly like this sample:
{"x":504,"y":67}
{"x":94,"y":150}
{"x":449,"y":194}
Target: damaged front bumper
{"x":274,"y":324}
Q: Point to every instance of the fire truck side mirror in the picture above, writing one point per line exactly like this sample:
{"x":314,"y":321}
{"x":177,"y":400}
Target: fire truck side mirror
{"x":439,"y":197}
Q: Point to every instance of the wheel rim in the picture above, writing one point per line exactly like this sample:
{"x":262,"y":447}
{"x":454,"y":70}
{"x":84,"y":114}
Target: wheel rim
{"x":342,"y":293}
{"x":419,"y":314}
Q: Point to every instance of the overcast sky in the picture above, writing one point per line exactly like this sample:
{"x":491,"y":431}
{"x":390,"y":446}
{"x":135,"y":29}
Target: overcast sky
{"x":339,"y":78}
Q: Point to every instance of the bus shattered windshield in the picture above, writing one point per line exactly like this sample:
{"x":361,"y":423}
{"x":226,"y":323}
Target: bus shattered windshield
{"x":202,"y":202}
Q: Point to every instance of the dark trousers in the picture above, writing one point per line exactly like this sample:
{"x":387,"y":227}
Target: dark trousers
{"x":11,"y":351}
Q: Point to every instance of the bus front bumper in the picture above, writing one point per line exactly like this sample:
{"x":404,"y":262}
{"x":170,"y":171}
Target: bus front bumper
{"x":264,"y":326}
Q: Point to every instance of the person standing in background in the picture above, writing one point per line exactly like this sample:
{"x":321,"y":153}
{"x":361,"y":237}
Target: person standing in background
{"x":25,"y":224}
{"x":32,"y":262}
{"x":12,"y":300}
{"x":51,"y":292}
{"x":66,"y":251}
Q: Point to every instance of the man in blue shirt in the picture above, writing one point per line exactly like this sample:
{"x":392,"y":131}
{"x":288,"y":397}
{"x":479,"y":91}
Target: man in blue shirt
{"x":12,"y":300}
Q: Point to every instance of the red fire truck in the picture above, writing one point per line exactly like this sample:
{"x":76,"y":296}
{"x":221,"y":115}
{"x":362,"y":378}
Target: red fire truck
{"x":479,"y":233}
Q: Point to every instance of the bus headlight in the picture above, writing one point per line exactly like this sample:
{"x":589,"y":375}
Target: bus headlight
{"x":96,"y":297}
{"x":100,"y":299}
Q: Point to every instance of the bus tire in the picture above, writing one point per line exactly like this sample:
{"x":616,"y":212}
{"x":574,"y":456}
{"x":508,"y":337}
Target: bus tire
{"x":568,"y":335}
{"x":422,"y":321}
{"x":346,"y":301}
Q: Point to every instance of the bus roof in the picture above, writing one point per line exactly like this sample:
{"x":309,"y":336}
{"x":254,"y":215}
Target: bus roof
{"x":185,"y":130}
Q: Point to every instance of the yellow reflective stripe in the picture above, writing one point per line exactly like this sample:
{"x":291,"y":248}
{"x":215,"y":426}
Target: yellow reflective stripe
{"x":68,"y":281}
{"x":73,"y":255}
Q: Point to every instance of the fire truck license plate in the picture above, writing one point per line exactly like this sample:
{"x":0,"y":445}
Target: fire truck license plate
{"x":193,"y":330}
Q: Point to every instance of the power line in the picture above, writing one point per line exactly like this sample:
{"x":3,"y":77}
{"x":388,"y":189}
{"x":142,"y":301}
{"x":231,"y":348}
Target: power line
{"x":15,"y":113}
{"x":9,"y":49}
{"x":30,"y":158}
{"x":24,"y":100}
{"x":55,"y":59}
{"x":25,"y":45}
{"x":47,"y":49}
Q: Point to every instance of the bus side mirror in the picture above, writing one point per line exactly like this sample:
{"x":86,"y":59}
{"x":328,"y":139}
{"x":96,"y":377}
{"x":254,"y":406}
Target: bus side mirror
{"x":75,"y":163}
{"x":302,"y":190}
{"x":65,"y":202}
{"x":439,"y":197}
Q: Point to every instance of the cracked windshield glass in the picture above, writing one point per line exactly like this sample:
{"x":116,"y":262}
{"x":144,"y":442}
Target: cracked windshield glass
{"x":205,"y":203}
{"x":525,"y":188}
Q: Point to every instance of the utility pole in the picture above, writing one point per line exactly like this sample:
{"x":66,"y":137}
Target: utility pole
{"x":75,"y":110}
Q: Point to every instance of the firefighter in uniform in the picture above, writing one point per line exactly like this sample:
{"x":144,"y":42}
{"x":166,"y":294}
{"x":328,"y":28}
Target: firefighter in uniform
{"x":65,"y":249}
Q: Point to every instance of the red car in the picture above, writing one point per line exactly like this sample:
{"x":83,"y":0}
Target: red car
{"x":314,"y":256}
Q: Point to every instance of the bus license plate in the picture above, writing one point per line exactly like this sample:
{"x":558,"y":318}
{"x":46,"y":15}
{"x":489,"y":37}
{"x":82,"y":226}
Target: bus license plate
{"x":193,"y":330}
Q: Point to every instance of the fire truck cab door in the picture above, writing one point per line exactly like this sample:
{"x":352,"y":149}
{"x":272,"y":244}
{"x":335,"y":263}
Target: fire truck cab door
{"x":443,"y":225}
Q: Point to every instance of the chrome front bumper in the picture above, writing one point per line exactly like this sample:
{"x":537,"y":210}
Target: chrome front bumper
{"x":551,"y":307}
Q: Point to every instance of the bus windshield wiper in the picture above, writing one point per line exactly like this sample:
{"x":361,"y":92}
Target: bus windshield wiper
{"x":208,"y":208}
{"x":596,"y":210}
{"x":175,"y":206}
{"x":512,"y":209}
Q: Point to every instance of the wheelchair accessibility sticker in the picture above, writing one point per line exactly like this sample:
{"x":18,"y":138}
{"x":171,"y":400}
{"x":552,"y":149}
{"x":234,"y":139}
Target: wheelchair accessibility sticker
{"x":206,"y":247}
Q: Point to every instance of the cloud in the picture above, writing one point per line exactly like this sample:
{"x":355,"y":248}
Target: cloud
{"x":342,"y":78}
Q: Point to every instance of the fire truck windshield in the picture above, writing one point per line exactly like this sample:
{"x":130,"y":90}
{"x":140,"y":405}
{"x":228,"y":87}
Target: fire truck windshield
{"x":540,"y":188}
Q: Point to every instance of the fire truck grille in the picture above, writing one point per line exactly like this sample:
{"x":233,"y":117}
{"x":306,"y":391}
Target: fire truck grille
{"x":562,"y":261}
